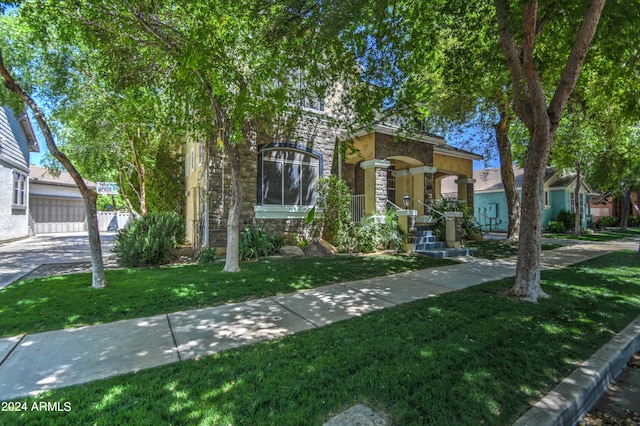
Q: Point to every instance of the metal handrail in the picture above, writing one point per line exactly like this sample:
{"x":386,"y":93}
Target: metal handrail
{"x":431,"y":209}
{"x":394,"y":205}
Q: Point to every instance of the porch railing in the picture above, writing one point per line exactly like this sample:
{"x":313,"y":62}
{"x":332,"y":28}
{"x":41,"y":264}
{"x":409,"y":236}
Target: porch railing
{"x":357,"y":207}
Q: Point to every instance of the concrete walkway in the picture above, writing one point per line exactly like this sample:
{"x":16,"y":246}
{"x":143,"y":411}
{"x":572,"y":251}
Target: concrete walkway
{"x":18,"y":258}
{"x":30,"y":364}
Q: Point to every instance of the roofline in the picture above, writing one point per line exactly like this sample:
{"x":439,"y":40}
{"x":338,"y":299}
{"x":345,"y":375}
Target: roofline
{"x":397,"y":131}
{"x":452,"y":151}
{"x":28,"y":128}
{"x":33,"y":180}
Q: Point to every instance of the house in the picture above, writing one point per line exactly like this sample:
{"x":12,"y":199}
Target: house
{"x":605,"y":205}
{"x":280,"y":172}
{"x":56,"y":204}
{"x":491,"y":205}
{"x":17,"y":141}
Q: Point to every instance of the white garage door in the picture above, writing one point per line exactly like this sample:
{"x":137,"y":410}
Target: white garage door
{"x":57,"y":215}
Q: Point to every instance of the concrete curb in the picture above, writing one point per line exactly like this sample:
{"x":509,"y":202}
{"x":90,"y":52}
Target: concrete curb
{"x":568,"y":402}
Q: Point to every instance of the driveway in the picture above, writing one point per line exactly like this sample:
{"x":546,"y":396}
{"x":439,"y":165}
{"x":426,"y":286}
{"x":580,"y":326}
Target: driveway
{"x":19,"y":258}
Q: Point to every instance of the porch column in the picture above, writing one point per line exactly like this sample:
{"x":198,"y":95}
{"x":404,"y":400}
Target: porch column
{"x":465,"y":191}
{"x":422,"y":186}
{"x":375,"y":185}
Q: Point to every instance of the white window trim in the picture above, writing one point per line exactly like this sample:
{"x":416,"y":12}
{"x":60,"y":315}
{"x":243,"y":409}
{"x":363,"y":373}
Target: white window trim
{"x":547,"y":199}
{"x":24,"y":178}
{"x":271,"y":211}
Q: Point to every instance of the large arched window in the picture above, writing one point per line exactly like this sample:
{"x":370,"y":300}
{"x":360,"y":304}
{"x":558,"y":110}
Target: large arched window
{"x":288,"y":175}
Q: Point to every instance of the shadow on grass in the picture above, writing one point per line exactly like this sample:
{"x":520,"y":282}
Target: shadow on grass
{"x":52,"y":303}
{"x":496,"y":249}
{"x":469,"y":357}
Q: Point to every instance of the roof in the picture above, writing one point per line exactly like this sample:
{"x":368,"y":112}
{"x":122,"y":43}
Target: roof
{"x":42,"y":175}
{"x":490,"y":180}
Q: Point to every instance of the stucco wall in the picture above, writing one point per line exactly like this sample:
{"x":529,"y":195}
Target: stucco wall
{"x":482,"y":202}
{"x":14,"y":221}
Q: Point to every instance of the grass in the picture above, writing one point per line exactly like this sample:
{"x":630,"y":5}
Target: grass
{"x":37,"y":305}
{"x":600,"y":236}
{"x":494,"y":249}
{"x":468,"y":357}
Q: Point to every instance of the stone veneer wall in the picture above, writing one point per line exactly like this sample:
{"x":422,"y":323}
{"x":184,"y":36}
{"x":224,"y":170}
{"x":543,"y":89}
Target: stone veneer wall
{"x":312,"y":132}
{"x":388,"y":146}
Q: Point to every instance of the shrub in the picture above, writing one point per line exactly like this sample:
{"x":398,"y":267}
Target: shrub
{"x":367,"y":237}
{"x":556,"y":227}
{"x":469,"y":225}
{"x":208,"y":255}
{"x":150,"y":240}
{"x":633,"y":221}
{"x":333,"y":208}
{"x":391,"y":236}
{"x":255,"y":243}
{"x":567,"y":218}
{"x":607,"y":222}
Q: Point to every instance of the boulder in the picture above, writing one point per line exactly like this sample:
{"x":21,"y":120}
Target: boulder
{"x":320,"y":248}
{"x":291,"y":251}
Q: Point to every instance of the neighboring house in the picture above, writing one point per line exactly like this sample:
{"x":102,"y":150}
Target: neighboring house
{"x":280,"y":173}
{"x":606,"y":205}
{"x":491,"y":205}
{"x":17,"y":140}
{"x":56,"y":203}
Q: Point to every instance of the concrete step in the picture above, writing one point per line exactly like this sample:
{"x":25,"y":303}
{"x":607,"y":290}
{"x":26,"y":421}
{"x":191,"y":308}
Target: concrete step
{"x":424,"y":233}
{"x":446,"y":252}
{"x":426,"y":239}
{"x":429,"y":246}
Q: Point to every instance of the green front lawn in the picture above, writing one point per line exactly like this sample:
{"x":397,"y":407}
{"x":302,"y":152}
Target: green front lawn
{"x":495,"y":249}
{"x":31,"y":306}
{"x":607,"y":235}
{"x":465,"y":358}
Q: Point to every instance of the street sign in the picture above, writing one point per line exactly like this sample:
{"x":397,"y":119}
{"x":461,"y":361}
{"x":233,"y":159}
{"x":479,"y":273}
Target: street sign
{"x":107,"y":188}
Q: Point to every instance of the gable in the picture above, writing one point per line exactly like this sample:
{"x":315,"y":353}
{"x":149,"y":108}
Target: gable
{"x":14,"y":145}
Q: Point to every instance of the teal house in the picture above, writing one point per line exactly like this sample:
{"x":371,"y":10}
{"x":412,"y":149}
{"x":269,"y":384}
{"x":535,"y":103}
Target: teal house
{"x":490,"y":203}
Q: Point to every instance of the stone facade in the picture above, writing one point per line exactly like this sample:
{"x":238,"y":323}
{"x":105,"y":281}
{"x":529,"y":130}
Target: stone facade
{"x":311,"y":132}
{"x":388,"y":146}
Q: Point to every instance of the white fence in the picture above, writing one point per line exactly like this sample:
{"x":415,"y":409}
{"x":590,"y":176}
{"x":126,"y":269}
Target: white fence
{"x":112,"y":221}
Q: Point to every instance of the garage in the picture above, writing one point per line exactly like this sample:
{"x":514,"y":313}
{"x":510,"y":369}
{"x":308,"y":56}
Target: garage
{"x":55,"y":202}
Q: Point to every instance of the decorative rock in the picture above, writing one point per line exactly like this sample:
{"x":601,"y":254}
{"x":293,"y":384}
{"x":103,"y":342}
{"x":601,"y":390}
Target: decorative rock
{"x":359,"y":415}
{"x":320,"y":248}
{"x":291,"y":251}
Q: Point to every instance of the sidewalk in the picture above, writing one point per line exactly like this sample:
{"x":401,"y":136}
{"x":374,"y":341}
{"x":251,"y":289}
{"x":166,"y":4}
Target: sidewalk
{"x":30,"y":364}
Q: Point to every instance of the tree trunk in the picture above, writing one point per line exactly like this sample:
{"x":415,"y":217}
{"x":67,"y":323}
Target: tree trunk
{"x":527,"y":285}
{"x":141,"y":175}
{"x":508,"y":178}
{"x":576,"y":197}
{"x":97,"y":266}
{"x":626,"y":203}
{"x":89,"y":196}
{"x":232,"y":263}
{"x":126,"y":199}
{"x":530,"y":103}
